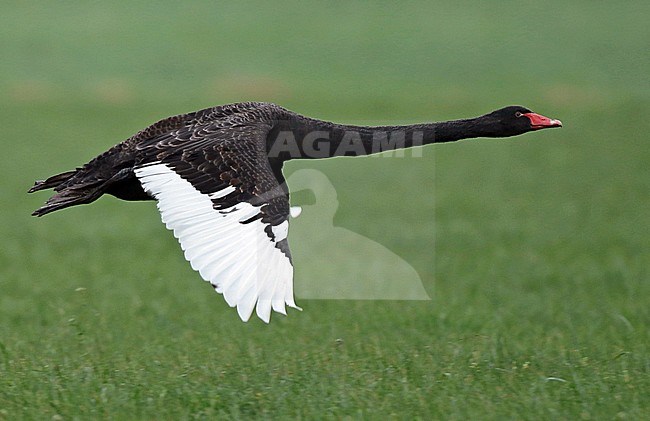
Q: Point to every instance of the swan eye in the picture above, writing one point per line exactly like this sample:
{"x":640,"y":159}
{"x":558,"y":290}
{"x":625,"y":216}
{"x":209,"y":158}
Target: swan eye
{"x":518,"y":114}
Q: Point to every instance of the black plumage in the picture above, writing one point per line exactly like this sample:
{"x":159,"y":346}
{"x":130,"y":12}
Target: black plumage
{"x":239,"y":150}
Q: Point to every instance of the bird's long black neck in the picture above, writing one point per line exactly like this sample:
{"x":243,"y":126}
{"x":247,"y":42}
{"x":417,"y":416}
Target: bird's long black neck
{"x":302,"y":137}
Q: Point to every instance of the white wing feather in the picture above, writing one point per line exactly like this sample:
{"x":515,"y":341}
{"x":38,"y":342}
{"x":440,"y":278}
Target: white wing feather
{"x":239,"y":260}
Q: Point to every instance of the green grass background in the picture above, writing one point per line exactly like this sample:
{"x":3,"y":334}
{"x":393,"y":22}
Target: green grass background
{"x":535,"y":250}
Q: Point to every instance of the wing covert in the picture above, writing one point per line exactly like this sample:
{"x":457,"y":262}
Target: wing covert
{"x":216,"y":190}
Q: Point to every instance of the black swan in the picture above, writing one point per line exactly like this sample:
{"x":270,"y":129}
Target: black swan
{"x":217,"y":177}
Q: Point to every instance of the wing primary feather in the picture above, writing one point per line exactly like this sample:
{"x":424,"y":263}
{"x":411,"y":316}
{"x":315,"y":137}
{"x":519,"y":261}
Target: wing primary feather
{"x":234,"y":247}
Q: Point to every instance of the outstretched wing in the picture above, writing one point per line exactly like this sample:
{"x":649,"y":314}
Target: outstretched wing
{"x":216,"y":190}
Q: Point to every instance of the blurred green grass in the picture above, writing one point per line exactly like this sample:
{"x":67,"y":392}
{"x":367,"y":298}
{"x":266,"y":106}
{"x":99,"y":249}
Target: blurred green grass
{"x":534,"y":250}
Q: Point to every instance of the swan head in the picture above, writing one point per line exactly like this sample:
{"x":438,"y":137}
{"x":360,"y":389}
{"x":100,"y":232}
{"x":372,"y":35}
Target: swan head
{"x":515,"y":119}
